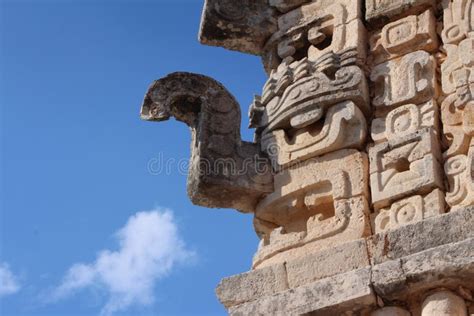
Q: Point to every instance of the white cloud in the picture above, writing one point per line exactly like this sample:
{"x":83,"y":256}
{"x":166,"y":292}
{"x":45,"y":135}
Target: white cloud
{"x":8,"y":281}
{"x":150,"y":247}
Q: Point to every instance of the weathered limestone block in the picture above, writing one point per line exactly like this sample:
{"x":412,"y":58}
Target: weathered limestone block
{"x":252,"y":285}
{"x":286,"y":5}
{"x":405,"y":120}
{"x":410,"y":210}
{"x":430,"y":233}
{"x":243,"y":25}
{"x":348,"y":292}
{"x":458,"y":126}
{"x":224,"y":171}
{"x":326,"y":206}
{"x":315,"y":29}
{"x":406,"y":166}
{"x":444,"y":303}
{"x":391,"y":311}
{"x":447,"y":266}
{"x":382,"y":10}
{"x":328,"y":262}
{"x":344,"y":126}
{"x":460,"y":173}
{"x":408,"y":79}
{"x":412,"y":33}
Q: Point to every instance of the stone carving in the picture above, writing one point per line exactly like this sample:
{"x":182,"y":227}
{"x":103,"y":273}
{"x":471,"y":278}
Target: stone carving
{"x":315,"y":29}
{"x":340,"y":233}
{"x":408,"y":79}
{"x":305,"y":87}
{"x":458,"y":126}
{"x":344,"y":126}
{"x":379,"y":10}
{"x":460,"y":173}
{"x":406,"y":166}
{"x":405,"y":120}
{"x":444,"y":303}
{"x":458,"y":20}
{"x":224,"y":170}
{"x":415,"y":32}
{"x":410,"y":210}
{"x":328,"y":204}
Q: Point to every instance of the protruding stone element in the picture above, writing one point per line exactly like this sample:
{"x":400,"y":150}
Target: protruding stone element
{"x":391,"y":311}
{"x":286,"y":5}
{"x":408,"y":79}
{"x":460,"y":172}
{"x":315,"y":29}
{"x":415,"y":32}
{"x":410,"y":210}
{"x":409,"y":165}
{"x":224,"y":171}
{"x":382,"y":10}
{"x":405,"y":120}
{"x":326,"y":206}
{"x":252,"y":285}
{"x":348,"y":292}
{"x":344,"y":126}
{"x":444,"y":303}
{"x":243,"y":25}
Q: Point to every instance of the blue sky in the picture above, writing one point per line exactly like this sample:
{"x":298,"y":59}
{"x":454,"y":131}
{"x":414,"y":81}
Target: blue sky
{"x":75,"y":188}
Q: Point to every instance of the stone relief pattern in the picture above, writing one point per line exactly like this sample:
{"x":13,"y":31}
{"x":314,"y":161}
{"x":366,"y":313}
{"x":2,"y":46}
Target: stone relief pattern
{"x":366,"y":123}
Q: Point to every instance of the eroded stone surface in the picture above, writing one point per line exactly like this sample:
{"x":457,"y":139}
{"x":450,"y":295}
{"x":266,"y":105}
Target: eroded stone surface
{"x":383,"y":10}
{"x":444,"y":303}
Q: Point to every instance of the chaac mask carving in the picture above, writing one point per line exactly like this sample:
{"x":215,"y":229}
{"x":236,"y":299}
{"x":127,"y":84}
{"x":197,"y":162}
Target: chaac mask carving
{"x":344,"y":106}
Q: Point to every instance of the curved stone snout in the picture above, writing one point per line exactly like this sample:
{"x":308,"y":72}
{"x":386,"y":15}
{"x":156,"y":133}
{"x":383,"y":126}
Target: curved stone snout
{"x":224,"y":171}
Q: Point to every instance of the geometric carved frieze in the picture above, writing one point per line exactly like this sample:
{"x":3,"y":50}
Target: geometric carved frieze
{"x":315,"y":29}
{"x":460,"y":172}
{"x":405,"y":120}
{"x":328,"y":199}
{"x":344,"y":126}
{"x":407,"y":79}
{"x":298,"y":94}
{"x":407,"y":166}
{"x":410,"y":210}
{"x":412,"y":33}
{"x":381,"y":10}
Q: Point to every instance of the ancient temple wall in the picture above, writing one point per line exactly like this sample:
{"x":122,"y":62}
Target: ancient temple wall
{"x":364,"y":130}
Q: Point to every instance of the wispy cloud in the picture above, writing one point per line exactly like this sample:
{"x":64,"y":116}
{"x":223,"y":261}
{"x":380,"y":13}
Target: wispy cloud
{"x":8,"y":281}
{"x":149,"y":248}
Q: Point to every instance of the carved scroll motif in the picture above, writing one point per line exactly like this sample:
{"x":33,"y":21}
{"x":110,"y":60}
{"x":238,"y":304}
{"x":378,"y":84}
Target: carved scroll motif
{"x":460,"y":172}
{"x":328,"y":204}
{"x":410,"y":210}
{"x":344,"y":126}
{"x":405,"y":120}
{"x":408,"y":79}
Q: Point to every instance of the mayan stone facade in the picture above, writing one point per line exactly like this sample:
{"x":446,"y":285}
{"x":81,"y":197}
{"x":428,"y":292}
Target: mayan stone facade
{"x":361,"y":175}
